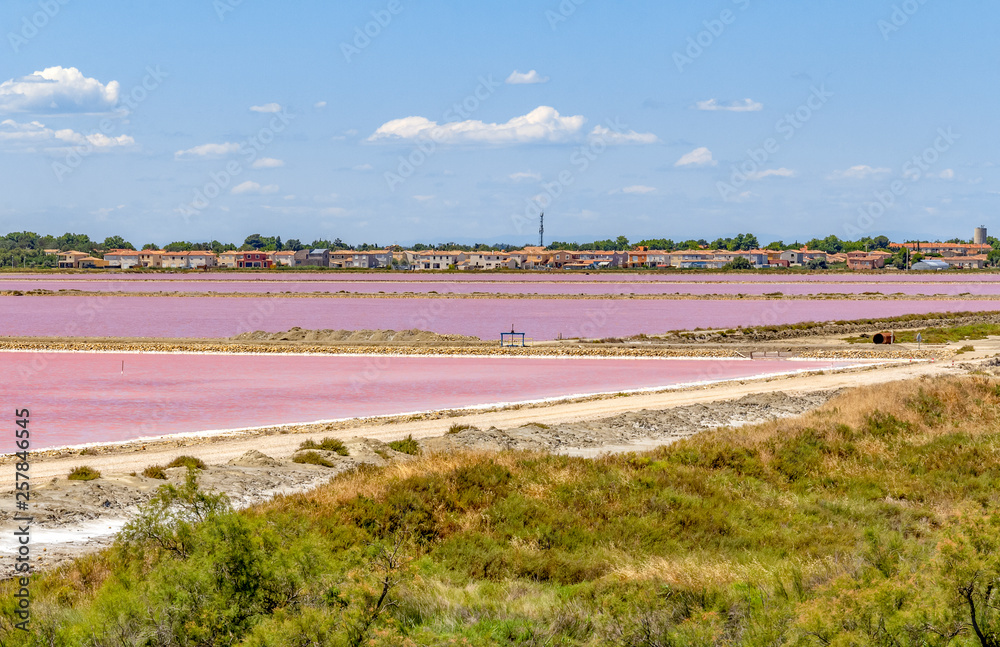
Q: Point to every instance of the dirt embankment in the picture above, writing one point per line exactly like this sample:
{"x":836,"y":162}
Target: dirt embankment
{"x":847,"y":328}
{"x":353,"y":336}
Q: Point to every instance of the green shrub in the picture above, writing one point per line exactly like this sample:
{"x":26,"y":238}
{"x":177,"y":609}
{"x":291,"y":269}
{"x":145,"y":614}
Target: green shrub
{"x":84,"y":473}
{"x":885,"y":425}
{"x":930,"y":407}
{"x":327,"y":444}
{"x":406,"y":446}
{"x":312,"y":458}
{"x":458,"y":428}
{"x":799,"y":457}
{"x":188,"y":461}
{"x":155,"y":472}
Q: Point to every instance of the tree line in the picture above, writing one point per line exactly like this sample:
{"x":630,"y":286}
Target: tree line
{"x":26,"y":249}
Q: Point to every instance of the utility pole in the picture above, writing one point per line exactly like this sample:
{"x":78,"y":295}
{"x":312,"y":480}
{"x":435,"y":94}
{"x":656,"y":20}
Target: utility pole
{"x":541,"y":230}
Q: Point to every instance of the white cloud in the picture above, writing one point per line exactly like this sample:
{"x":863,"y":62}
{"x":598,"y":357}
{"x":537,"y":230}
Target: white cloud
{"x":639,"y":189}
{"x":543,"y":124}
{"x":774,"y":172}
{"x":947,"y":174}
{"x":103,"y":213}
{"x":424,"y":198}
{"x":609,"y":136}
{"x":267,"y":107}
{"x":268,"y":162}
{"x":860,"y":172}
{"x":253,"y":188}
{"x":364,"y":168}
{"x":34,"y":134}
{"x":58,"y":90}
{"x":319,"y":105}
{"x":522,"y":176}
{"x":698,"y":157}
{"x":526,"y":78}
{"x":208,"y":150}
{"x":746,"y":105}
{"x":539,"y":125}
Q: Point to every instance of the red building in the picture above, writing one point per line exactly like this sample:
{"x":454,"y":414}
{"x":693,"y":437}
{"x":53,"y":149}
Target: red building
{"x":254,"y":260}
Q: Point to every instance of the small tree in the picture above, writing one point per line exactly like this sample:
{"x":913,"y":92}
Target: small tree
{"x":817,"y":264}
{"x":738,"y":263}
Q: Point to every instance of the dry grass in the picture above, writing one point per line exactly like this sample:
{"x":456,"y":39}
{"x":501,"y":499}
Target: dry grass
{"x":155,"y":472}
{"x":83,"y":473}
{"x":189,"y":462}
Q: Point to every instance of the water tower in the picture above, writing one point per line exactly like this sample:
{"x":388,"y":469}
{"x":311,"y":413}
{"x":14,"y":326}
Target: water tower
{"x":980,"y":236}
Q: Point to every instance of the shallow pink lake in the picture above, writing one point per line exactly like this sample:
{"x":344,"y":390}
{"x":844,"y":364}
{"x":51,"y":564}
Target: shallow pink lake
{"x":78,"y":398}
{"x":580,"y":286}
{"x":540,"y":319}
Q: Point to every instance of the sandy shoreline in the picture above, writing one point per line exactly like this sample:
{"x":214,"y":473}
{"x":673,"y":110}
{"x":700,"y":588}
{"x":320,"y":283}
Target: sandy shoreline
{"x":74,"y":517}
{"x":281,"y":441}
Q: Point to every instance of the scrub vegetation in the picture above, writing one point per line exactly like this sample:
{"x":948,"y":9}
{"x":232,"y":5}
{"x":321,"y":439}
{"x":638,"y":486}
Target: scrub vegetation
{"x":871,"y":521}
{"x":189,"y":462}
{"x":83,"y":473}
{"x":327,"y":444}
{"x":406,"y":446}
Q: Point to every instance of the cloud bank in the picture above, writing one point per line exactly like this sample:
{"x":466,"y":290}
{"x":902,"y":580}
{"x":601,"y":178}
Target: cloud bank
{"x":58,"y":90}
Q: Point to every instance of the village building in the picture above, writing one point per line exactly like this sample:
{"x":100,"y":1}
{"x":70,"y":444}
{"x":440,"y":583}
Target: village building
{"x":229,"y":258}
{"x":150,"y":258}
{"x":124,"y":258}
{"x":71,"y":260}
{"x":254,"y":260}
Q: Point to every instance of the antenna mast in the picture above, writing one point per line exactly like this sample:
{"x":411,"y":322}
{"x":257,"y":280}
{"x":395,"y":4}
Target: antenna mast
{"x":541,"y":230}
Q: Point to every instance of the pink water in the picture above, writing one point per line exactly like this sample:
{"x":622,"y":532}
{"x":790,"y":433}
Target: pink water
{"x":540,"y":319}
{"x":77,"y":398}
{"x":578,"y":287}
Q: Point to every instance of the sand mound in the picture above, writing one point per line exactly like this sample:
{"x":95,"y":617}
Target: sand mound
{"x":351,"y":336}
{"x":254,"y":458}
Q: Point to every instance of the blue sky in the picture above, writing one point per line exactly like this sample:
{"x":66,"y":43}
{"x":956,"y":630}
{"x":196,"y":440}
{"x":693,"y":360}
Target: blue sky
{"x":215,"y":119}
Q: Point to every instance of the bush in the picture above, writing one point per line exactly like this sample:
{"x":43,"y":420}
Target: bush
{"x":457,"y":428}
{"x":738,"y":263}
{"x":406,"y":446}
{"x":312,"y":458}
{"x":817,"y":264}
{"x":84,"y":473}
{"x":327,"y":444}
{"x":155,"y":472}
{"x":188,"y":461}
